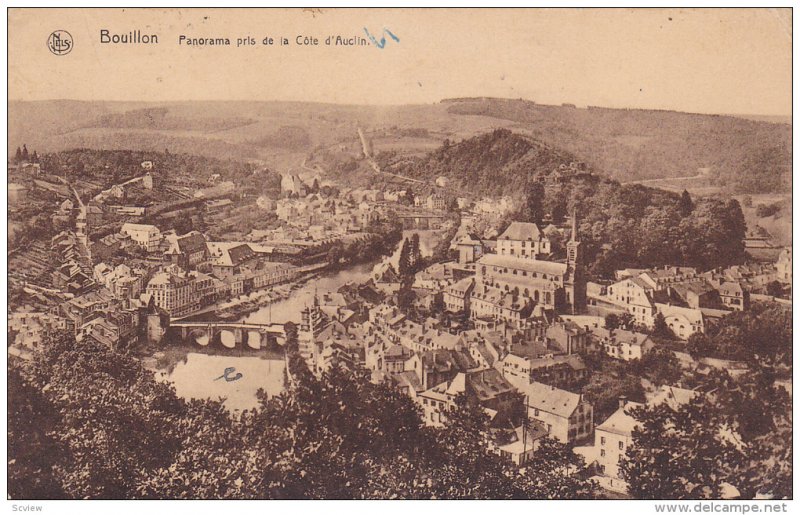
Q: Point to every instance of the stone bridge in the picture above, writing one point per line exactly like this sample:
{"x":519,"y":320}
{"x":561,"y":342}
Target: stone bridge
{"x":421,"y":220}
{"x":228,"y":335}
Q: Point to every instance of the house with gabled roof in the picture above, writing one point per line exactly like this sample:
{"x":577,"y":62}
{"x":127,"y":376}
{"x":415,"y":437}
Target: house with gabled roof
{"x":524,"y":240}
{"x":188,"y":250}
{"x":622,"y":344}
{"x":228,"y":258}
{"x":733,"y":296}
{"x":486,"y":388}
{"x":614,"y":436}
{"x":567,"y":415}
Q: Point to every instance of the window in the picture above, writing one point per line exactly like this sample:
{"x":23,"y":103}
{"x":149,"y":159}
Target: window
{"x":602,"y":440}
{"x":602,"y":452}
{"x":536,"y":413}
{"x":621,"y":445}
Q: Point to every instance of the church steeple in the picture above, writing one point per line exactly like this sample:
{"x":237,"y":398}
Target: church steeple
{"x":575,"y":283}
{"x":574,"y":233}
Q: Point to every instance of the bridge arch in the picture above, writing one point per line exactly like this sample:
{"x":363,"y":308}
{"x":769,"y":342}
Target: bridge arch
{"x":199,"y":337}
{"x":254,"y":339}
{"x":227,"y":338}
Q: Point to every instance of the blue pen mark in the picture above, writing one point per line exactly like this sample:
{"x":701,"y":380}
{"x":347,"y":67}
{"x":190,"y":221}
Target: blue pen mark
{"x":227,"y":375}
{"x":382,"y":42}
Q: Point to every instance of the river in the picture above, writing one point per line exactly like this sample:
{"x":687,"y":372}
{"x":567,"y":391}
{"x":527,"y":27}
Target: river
{"x":199,"y":375}
{"x":206,"y":376}
{"x":288,"y":309}
{"x":202,"y":375}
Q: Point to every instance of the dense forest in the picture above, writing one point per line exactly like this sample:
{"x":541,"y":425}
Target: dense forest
{"x":620,"y":225}
{"x":744,"y":156}
{"x":495,"y":163}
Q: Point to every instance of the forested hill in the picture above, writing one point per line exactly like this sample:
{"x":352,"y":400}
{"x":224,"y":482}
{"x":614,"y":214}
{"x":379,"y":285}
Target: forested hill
{"x":741,"y":155}
{"x":496,"y":163}
{"x":621,"y":225}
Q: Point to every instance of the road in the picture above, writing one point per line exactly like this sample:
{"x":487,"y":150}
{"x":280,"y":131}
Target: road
{"x":371,"y":160}
{"x":701,"y":175}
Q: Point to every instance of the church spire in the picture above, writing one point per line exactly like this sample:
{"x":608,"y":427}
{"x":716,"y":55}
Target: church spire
{"x":574,"y":235}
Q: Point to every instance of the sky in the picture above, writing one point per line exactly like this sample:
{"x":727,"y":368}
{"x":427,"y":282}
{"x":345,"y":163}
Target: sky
{"x":727,"y":61}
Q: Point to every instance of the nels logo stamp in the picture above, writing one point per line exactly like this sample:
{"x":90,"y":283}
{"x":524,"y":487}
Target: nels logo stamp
{"x":60,"y":42}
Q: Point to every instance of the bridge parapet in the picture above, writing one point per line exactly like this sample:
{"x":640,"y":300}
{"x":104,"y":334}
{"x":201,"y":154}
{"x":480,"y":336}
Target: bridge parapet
{"x":229,"y":335}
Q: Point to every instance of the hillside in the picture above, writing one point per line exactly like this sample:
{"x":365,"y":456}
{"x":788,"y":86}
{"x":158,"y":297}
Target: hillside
{"x":742,"y":155}
{"x":621,"y":225}
{"x":497,"y":163}
{"x":697,"y":151}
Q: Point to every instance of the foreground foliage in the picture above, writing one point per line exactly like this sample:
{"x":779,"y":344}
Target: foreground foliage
{"x":87,"y":422}
{"x":738,"y":435}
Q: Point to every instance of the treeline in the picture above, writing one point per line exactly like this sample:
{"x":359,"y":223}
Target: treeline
{"x":736,"y":438}
{"x":195,"y":143}
{"x":634,"y":226}
{"x":23,"y":156}
{"x":380,"y":240}
{"x":86,"y":422}
{"x":158,"y":118}
{"x":761,"y":334}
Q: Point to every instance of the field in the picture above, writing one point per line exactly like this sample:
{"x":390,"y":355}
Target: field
{"x":778,"y":225}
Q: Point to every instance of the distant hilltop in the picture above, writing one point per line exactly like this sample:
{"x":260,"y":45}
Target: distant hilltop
{"x":787,"y":119}
{"x":746,"y":154}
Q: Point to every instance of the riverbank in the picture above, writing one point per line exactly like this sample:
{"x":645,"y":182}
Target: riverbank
{"x":236,"y":308}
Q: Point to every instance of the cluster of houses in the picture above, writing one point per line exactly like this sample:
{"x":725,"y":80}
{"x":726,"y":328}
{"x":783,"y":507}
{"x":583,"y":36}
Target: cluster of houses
{"x":196,"y":273}
{"x":686,"y":298}
{"x":508,"y":372}
{"x":614,"y":436}
{"x":174,"y":277}
{"x":515,"y":357}
{"x":527,"y":318}
{"x":524,"y":378}
{"x":318,"y":218}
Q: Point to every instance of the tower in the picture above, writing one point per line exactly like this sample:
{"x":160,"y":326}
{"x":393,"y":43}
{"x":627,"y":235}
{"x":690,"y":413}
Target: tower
{"x":81,"y":226}
{"x":312,"y":324}
{"x":575,"y":284}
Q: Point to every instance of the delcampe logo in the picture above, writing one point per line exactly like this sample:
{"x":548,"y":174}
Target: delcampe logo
{"x":60,"y":42}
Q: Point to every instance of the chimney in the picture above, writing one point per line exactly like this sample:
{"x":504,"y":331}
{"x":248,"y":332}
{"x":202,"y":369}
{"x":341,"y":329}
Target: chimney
{"x":623,"y":401}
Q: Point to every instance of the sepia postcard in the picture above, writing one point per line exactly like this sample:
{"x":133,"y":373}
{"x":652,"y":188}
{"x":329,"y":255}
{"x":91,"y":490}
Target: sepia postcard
{"x":400,"y":253}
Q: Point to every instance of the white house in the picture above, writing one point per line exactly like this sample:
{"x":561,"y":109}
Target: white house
{"x":146,"y":236}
